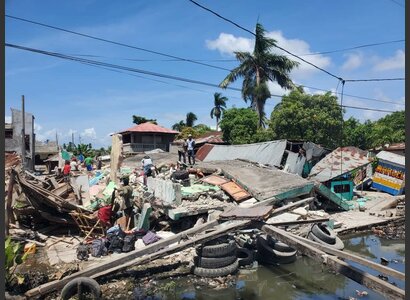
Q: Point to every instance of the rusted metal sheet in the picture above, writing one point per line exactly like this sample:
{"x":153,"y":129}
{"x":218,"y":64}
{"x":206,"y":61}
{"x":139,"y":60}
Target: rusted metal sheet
{"x":254,"y":213}
{"x":235,"y":191}
{"x":215,"y":180}
{"x":203,"y":151}
{"x":340,"y":161}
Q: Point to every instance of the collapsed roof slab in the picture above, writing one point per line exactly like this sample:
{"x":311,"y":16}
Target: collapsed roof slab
{"x":264,"y":183}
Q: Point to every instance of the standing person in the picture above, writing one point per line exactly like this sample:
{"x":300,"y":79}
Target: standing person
{"x":99,"y":164}
{"x":146,"y":165}
{"x":89,"y":163}
{"x":81,"y":157}
{"x":73,"y":164}
{"x":191,"y":146}
{"x":125,"y":199}
{"x":66,"y":170}
{"x":182,"y":149}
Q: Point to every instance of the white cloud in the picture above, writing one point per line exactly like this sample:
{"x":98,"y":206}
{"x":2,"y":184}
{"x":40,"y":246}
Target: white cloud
{"x":392,"y":63}
{"x":353,"y":61}
{"x":228,"y":43}
{"x":89,"y":133}
{"x":7,"y":119}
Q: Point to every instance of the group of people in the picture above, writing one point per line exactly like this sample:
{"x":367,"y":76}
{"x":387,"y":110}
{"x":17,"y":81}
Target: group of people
{"x":187,"y":147}
{"x":77,"y":163}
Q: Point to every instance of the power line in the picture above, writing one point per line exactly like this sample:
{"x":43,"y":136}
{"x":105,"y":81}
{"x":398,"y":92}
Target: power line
{"x":116,"y":66}
{"x":353,"y":48}
{"x":116,"y":43}
{"x":371,"y":109}
{"x":310,"y":87}
{"x":113,"y":66}
{"x":354,"y":96}
{"x":237,"y":25}
{"x":373,"y":79}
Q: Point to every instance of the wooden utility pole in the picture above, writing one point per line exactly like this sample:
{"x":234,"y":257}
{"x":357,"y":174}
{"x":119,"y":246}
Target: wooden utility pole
{"x":33,"y":146}
{"x":23,"y":133}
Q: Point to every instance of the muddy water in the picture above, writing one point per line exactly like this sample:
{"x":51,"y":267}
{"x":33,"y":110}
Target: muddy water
{"x":303,"y":279}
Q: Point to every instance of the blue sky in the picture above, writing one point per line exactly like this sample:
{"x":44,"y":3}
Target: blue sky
{"x":67,"y":96}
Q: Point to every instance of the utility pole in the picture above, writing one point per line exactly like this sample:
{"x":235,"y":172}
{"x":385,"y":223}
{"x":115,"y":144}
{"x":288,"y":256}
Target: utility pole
{"x":33,"y":146}
{"x":23,"y":133}
{"x":72,"y":138}
{"x":57,"y":139}
{"x":79,"y":137}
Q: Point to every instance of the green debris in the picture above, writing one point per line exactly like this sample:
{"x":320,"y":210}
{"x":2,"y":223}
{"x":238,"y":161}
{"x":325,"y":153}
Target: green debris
{"x":198,"y":188}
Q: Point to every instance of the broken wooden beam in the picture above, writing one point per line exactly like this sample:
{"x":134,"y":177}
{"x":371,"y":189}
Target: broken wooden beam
{"x":353,"y":257}
{"x":299,"y":222}
{"x":386,"y":289}
{"x":119,"y":261}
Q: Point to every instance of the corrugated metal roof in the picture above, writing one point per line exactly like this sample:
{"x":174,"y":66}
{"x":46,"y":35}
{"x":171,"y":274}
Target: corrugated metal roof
{"x":150,"y":128}
{"x":339,"y":162}
{"x":392,"y":157}
{"x":265,"y":153}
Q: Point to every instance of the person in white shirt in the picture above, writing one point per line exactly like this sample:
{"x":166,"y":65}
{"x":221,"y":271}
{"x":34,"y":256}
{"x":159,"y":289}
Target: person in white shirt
{"x":191,"y":146}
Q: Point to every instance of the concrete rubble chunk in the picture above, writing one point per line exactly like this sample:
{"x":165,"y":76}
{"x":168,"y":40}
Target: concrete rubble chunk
{"x":284,"y":217}
{"x":300,"y":211}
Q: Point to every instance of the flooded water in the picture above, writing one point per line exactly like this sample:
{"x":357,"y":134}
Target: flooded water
{"x":304,"y":279}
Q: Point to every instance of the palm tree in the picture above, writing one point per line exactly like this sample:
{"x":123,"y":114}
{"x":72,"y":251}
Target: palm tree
{"x":219,"y":107}
{"x":190,"y":119}
{"x":178,"y":126}
{"x":257,"y":68}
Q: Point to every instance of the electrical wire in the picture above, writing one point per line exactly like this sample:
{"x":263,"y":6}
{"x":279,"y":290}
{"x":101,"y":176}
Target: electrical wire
{"x":398,"y":3}
{"x":113,"y":66}
{"x":374,"y":79}
{"x":276,"y":46}
{"x":116,"y":43}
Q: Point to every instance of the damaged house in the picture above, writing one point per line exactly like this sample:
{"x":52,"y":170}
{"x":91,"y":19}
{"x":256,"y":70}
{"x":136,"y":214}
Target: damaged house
{"x":339,"y":172}
{"x":145,"y":137}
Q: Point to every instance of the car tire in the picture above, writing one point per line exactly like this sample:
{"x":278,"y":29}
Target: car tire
{"x":218,"y":250}
{"x":245,"y":256}
{"x":81,"y":285}
{"x":324,"y":233}
{"x":214,"y":262}
{"x":204,"y":272}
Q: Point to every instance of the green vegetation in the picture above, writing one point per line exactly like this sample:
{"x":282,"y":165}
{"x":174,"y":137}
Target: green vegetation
{"x":315,"y":118}
{"x":12,"y":260}
{"x":139,"y":120}
{"x":219,"y":107}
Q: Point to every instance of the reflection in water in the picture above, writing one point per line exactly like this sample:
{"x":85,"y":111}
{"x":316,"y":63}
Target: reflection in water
{"x":305,"y":278}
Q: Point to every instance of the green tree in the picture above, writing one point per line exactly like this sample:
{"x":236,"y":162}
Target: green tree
{"x":85,"y":149}
{"x":219,"y":107}
{"x":139,"y":120}
{"x":357,"y":134}
{"x":389,"y":129}
{"x":239,"y":125}
{"x":179,"y":126}
{"x":315,"y":118}
{"x":190,"y":119}
{"x":201,"y":129}
{"x":257,"y":69}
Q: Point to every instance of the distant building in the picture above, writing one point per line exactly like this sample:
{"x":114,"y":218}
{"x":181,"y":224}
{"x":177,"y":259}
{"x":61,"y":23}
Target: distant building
{"x":13,"y":135}
{"x":45,"y":150}
{"x":145,"y":137}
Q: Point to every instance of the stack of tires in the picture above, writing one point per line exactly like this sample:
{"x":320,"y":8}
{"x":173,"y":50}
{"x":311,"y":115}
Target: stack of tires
{"x":272,"y":252}
{"x":216,"y":259}
{"x":323,"y":234}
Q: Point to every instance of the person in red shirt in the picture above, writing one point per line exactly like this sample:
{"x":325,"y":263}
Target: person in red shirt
{"x":66,"y":170}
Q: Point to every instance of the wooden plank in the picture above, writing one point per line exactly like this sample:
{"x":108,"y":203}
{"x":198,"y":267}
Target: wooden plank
{"x":9,"y":218}
{"x":353,"y":257}
{"x":119,"y":261}
{"x":386,"y":289}
{"x":54,"y":183}
{"x":299,"y":222}
{"x":285,"y":207}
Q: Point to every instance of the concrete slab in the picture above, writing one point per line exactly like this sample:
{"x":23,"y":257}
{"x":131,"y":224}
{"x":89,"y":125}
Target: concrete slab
{"x":263,"y":183}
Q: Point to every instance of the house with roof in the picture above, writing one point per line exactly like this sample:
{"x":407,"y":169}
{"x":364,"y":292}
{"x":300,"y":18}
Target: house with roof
{"x":145,"y":137}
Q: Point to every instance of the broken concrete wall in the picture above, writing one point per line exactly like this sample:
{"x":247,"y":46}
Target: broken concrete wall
{"x":116,"y":156}
{"x":165,"y":190}
{"x":14,"y":144}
